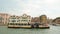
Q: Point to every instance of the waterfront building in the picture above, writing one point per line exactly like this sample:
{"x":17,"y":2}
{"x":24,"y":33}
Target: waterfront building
{"x":25,"y":19}
{"x":4,"y":18}
{"x":35,"y":20}
{"x":56,"y":20}
{"x":49,"y":21}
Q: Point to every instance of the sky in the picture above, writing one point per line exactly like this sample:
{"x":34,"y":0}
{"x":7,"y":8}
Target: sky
{"x":35,"y":8}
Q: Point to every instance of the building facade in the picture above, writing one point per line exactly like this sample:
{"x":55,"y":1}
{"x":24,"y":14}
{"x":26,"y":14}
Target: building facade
{"x":4,"y":18}
{"x":23,"y":19}
{"x":35,"y":20}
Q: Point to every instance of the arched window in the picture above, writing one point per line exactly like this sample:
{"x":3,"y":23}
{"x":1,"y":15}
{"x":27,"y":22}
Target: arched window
{"x":1,"y":18}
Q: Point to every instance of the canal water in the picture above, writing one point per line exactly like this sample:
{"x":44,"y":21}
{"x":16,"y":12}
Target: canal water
{"x":52,"y":30}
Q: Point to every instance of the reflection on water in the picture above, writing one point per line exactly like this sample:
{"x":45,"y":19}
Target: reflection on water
{"x":52,"y":30}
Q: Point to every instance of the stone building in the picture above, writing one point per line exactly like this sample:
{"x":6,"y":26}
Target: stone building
{"x":4,"y":18}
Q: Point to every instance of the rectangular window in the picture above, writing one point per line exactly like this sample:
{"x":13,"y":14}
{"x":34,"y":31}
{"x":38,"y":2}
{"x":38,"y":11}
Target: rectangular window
{"x":24,"y":20}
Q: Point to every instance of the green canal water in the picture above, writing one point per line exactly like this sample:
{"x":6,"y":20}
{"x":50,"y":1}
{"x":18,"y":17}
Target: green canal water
{"x":52,"y":30}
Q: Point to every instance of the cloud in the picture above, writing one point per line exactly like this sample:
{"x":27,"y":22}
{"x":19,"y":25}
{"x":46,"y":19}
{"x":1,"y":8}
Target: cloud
{"x":33,"y":7}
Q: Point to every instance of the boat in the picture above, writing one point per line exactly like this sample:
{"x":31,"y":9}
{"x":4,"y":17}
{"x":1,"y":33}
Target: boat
{"x":26,"y":21}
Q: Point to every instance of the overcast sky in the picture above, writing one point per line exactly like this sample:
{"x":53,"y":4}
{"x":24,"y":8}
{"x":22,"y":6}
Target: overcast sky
{"x":51,"y":8}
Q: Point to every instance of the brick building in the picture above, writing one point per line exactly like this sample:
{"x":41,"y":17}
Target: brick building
{"x":35,"y":20}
